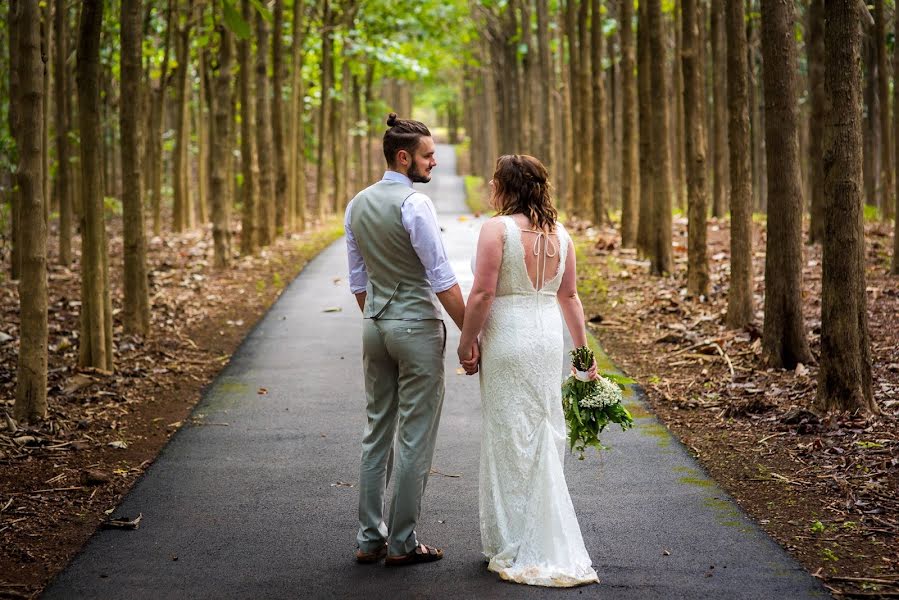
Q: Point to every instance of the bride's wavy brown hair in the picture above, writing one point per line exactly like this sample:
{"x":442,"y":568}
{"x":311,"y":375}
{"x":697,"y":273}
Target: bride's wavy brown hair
{"x":521,"y":185}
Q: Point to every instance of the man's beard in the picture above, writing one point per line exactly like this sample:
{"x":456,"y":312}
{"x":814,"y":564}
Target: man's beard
{"x":417,"y":176}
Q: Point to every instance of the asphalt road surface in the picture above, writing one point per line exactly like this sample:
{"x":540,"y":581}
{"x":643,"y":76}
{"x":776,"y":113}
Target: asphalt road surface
{"x":256,"y":497}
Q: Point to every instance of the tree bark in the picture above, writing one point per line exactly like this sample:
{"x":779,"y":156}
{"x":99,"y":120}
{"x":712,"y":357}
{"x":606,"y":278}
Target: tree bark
{"x":202,"y":129}
{"x":678,"y":157}
{"x":323,"y":171}
{"x":96,"y":314}
{"x":136,"y":312}
{"x":157,"y":118}
{"x":61,"y":93}
{"x":297,"y":195}
{"x":844,"y":378}
{"x":883,"y":92}
{"x":46,"y":42}
{"x":661,"y":261}
{"x":283,"y":212}
{"x":694,"y":123}
{"x":601,"y":124}
{"x":871,"y":124}
{"x":31,"y":371}
{"x":13,"y":116}
{"x":629,"y":206}
{"x":721,"y":168}
{"x":219,"y":149}
{"x":249,"y":228}
{"x":739,"y":298}
{"x":182,"y":204}
{"x":266,"y":214}
{"x":584,"y":159}
{"x":895,"y":266}
{"x":545,"y":131}
{"x":647,"y":166}
{"x":820,"y":103}
{"x":783,"y":340}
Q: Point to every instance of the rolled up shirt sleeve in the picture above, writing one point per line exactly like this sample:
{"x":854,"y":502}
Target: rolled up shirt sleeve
{"x":420,"y":220}
{"x":358,"y":275}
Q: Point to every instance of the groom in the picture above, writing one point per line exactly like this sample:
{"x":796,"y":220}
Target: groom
{"x":400,"y":275}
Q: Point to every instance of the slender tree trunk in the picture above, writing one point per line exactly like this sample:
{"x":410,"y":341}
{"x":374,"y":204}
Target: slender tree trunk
{"x":661,"y":261}
{"x":601,"y":125}
{"x":545,"y":131}
{"x":31,"y":371}
{"x":63,"y":181}
{"x":883,"y":90}
{"x":201,"y":120}
{"x":871,"y":124}
{"x":629,"y":206}
{"x":340,"y":143}
{"x":647,"y":165}
{"x":323,"y":171}
{"x":783,"y":341}
{"x":844,"y":379}
{"x":678,"y":161}
{"x":283,"y":212}
{"x":694,"y":117}
{"x":721,"y":177}
{"x":613,"y":116}
{"x":136,"y":311}
{"x":739,"y":299}
{"x":756,"y":129}
{"x":46,"y":43}
{"x":249,"y":227}
{"x":895,"y":266}
{"x":182,"y":204}
{"x":820,"y":103}
{"x":586,"y":114}
{"x":266,"y":214}
{"x":576,"y":186}
{"x":14,"y":110}
{"x":297,"y":196}
{"x":157,"y":118}
{"x":220,"y":146}
{"x":96,"y":317}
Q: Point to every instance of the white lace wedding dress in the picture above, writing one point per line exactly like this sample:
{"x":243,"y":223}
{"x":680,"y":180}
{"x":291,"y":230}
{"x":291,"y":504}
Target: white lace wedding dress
{"x":529,"y":529}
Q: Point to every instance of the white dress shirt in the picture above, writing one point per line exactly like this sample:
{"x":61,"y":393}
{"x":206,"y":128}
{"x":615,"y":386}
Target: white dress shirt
{"x":420,"y":221}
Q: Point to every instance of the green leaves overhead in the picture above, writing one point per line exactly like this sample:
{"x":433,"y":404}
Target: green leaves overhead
{"x":234,"y":21}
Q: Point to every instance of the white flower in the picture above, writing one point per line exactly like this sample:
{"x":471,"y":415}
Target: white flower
{"x":605,"y":393}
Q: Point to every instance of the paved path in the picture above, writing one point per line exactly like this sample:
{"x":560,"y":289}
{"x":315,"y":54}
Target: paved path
{"x":264,"y":507}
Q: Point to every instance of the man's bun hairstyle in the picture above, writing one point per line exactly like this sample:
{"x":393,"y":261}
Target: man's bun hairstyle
{"x":402,"y":134}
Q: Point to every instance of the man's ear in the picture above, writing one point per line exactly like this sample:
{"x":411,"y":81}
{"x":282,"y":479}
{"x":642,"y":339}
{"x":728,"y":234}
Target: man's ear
{"x":402,"y":157}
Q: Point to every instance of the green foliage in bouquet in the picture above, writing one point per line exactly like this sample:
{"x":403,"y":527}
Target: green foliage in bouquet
{"x":590,"y":406}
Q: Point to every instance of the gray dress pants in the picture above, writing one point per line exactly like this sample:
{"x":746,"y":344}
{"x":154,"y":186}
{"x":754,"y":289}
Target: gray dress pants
{"x":404,"y":387}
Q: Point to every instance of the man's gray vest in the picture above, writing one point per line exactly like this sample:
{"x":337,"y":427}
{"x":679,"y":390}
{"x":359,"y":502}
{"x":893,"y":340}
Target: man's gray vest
{"x":398,"y":287}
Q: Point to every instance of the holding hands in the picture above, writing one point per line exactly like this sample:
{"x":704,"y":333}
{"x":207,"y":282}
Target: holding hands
{"x":469,"y":357}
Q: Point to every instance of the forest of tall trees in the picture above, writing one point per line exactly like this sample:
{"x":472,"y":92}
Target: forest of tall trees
{"x":743,"y":97}
{"x":259,"y":119}
{"x":254,"y":118}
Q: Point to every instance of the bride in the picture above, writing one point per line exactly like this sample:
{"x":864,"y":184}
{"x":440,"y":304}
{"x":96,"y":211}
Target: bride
{"x":524,"y":274}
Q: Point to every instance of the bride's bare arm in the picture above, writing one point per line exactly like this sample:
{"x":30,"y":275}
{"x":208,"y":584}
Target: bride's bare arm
{"x":490,"y":257}
{"x":570,"y":302}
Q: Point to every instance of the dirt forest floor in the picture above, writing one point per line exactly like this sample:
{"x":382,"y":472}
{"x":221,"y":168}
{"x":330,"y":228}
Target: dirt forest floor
{"x":825,"y":487}
{"x":58,"y":482}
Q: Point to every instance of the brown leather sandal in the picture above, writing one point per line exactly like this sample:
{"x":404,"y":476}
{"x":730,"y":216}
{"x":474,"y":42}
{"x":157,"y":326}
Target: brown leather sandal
{"x":371,"y":557}
{"x":421,"y":554}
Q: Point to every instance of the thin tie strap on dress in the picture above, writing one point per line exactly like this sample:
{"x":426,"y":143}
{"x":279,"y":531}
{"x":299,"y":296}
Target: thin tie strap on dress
{"x":541,"y":263}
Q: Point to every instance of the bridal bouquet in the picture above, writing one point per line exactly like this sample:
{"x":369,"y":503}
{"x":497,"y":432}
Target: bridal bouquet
{"x":590,"y":405}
